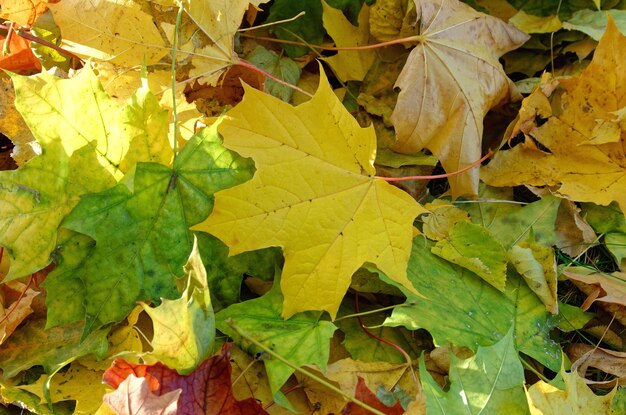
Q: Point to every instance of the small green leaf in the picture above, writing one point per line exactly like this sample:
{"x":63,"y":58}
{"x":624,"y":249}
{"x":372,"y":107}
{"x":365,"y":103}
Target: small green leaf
{"x":490,"y":382}
{"x":307,"y":28}
{"x":303,"y":339}
{"x":281,"y":67}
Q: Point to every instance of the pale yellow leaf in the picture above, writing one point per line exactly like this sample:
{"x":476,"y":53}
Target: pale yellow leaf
{"x":449,"y":82}
{"x":118,"y":31}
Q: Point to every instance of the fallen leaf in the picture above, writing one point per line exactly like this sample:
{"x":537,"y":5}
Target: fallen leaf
{"x":478,"y":314}
{"x":20,"y":57}
{"x":53,"y":348}
{"x":579,"y":149}
{"x":472,"y":246}
{"x":118,"y":31}
{"x":440,"y":219}
{"x":206,"y":391}
{"x":23,"y":12}
{"x":545,"y":399}
{"x":13,"y":314}
{"x":184,"y":329}
{"x":594,"y":22}
{"x":141,"y":228}
{"x":536,"y":24}
{"x":584,"y":356}
{"x":133,"y":397}
{"x":612,"y":286}
{"x":12,"y":125}
{"x":348,"y":65}
{"x":575,"y":234}
{"x":537,"y":264}
{"x":450,"y":80}
{"x":363,"y":394}
{"x":303,"y":339}
{"x":300,"y":174}
{"x":281,"y":67}
{"x":79,"y":130}
{"x":489,"y":382}
{"x":76,"y":384}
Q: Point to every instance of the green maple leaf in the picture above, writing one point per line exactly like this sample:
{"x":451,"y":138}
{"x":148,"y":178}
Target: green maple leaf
{"x":303,"y":339}
{"x":489,"y":382}
{"x":141,"y":228}
{"x":476,"y":313}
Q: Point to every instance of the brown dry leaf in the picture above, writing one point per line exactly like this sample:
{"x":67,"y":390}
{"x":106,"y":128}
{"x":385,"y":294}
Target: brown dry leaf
{"x":450,"y":81}
{"x":581,"y":148}
{"x":611,"y":287}
{"x":575,"y":234}
{"x":14,"y":313}
{"x":608,"y":361}
{"x":133,"y":397}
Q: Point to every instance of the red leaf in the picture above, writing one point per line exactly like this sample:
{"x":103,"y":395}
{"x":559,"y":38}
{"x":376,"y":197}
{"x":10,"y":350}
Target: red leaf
{"x":206,"y":391}
{"x":365,"y":395}
{"x":20,"y":58}
{"x":133,"y":397}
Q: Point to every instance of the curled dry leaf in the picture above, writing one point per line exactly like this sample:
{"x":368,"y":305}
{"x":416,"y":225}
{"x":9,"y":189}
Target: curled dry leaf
{"x":584,"y":356}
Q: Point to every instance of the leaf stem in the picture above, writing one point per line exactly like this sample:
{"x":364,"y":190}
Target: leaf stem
{"x":335,"y":48}
{"x":248,"y":65}
{"x":366,"y":313}
{"x":406,"y":356}
{"x":23,"y":33}
{"x":313,"y":376}
{"x":437,"y":176}
{"x":179,"y":16}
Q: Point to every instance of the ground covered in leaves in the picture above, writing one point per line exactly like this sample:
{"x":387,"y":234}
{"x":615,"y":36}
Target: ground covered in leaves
{"x":310,"y":206}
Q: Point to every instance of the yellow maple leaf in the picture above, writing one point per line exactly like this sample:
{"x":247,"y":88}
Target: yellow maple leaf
{"x":577,"y":398}
{"x":449,"y":82}
{"x":348,"y":65}
{"x":579,"y":145}
{"x":315,"y":195}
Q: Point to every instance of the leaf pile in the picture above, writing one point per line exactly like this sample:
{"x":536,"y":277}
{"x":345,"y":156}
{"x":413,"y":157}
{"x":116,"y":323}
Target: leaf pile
{"x":268,"y":207}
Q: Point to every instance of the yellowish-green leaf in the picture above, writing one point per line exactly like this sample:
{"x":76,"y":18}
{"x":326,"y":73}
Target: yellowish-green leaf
{"x":348,"y":65}
{"x":441,"y":218}
{"x":76,"y":384}
{"x":184,"y":329}
{"x":536,"y":24}
{"x":315,"y":195}
{"x":472,"y":246}
{"x":577,"y":398}
{"x":82,"y":140}
{"x":536,"y":263}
